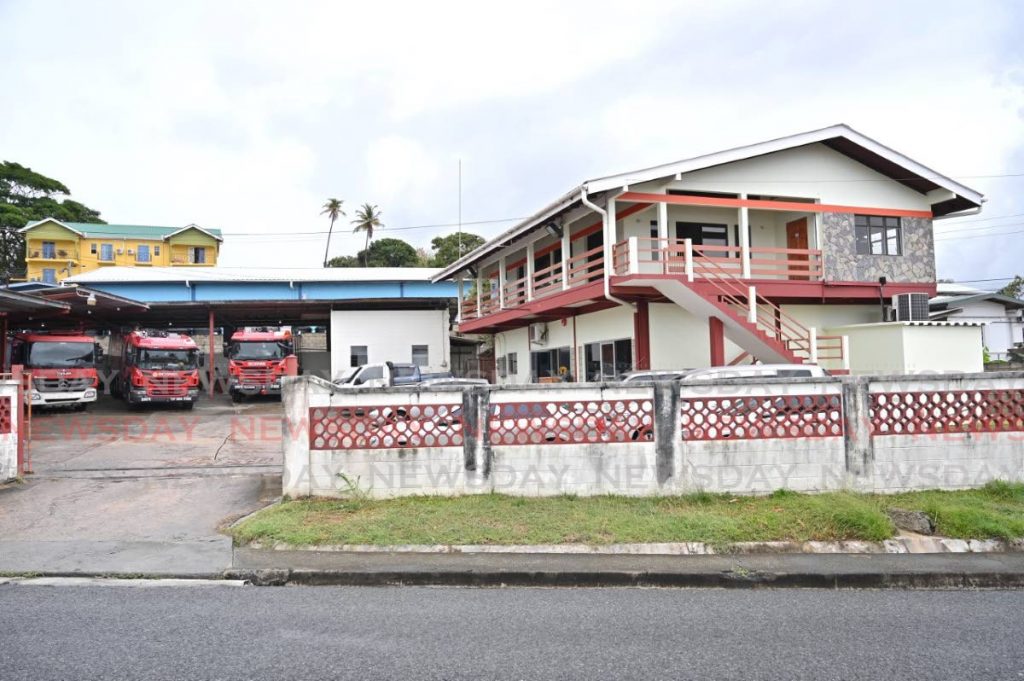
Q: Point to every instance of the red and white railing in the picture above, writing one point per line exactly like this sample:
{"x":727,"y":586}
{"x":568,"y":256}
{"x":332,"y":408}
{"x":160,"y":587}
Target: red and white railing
{"x":651,"y":255}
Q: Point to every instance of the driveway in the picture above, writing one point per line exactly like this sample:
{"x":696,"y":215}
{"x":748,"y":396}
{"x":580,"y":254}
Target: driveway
{"x":140,"y":491}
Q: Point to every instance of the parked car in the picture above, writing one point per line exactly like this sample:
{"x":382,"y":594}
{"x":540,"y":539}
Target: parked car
{"x":386,"y":375}
{"x":655,"y":375}
{"x":755,"y":371}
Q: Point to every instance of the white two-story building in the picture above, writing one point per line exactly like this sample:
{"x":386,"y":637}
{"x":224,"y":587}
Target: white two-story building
{"x":792,"y":250}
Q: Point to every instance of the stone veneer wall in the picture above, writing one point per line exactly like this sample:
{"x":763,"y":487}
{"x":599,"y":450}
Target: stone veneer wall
{"x":842,"y":263}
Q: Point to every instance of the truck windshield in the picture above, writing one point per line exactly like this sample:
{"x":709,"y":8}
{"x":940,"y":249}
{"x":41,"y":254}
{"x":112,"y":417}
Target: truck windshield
{"x":258,"y":350}
{"x":60,"y":354}
{"x":166,"y":360}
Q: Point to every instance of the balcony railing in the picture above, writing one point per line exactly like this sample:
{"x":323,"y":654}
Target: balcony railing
{"x":55,"y":255}
{"x":647,"y":255}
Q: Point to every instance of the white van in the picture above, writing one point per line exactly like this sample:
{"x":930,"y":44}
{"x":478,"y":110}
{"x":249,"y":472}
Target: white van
{"x":755,"y":371}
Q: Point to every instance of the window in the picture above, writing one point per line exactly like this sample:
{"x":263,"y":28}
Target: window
{"x":107,"y":252}
{"x":142,"y":254}
{"x":878,"y":235}
{"x":703,"y":234}
{"x":156,"y":250}
{"x":197,"y":255}
{"x":358,"y":355}
{"x":548,"y":364}
{"x":92,"y":248}
{"x":502,"y":368}
{"x":369,"y":374}
{"x":49,"y":275}
{"x":420,"y":355}
{"x":49,"y":250}
{"x":513,"y":364}
{"x":608,"y":360}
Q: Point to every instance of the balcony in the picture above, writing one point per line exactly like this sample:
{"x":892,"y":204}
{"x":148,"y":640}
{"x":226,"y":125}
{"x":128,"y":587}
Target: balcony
{"x":679,"y":257}
{"x":52,"y":255}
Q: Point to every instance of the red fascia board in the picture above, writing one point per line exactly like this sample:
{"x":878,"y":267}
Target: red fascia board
{"x":714,"y":201}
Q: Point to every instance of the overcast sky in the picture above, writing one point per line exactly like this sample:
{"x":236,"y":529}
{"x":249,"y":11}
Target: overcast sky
{"x":246,"y":115}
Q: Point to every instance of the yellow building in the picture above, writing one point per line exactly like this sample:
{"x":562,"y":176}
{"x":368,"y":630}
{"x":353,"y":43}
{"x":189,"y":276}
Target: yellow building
{"x":55,"y":250}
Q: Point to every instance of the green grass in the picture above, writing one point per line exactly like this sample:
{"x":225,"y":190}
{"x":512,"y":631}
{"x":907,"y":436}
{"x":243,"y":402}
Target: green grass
{"x":995,"y":511}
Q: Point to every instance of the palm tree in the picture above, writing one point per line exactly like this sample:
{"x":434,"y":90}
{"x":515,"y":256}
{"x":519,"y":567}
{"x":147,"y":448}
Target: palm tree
{"x":332,"y":209}
{"x":367,"y":219}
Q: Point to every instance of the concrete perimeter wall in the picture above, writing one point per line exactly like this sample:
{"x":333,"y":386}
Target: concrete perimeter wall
{"x":869,"y":434}
{"x":10,"y":414}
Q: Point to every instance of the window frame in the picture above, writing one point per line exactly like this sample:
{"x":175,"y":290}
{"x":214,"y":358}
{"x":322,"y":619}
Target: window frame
{"x":353,"y":355}
{"x":890,"y":229}
{"x":138,"y":253}
{"x":103,"y":248}
{"x":48,"y":280}
{"x":425,"y":351}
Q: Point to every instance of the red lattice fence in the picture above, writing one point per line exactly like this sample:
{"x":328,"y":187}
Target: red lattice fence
{"x":571,"y":422}
{"x":386,"y":426}
{"x":761,"y":418}
{"x":948,"y":411}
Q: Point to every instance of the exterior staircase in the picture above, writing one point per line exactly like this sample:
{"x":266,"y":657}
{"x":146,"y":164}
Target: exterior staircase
{"x":752,"y":322}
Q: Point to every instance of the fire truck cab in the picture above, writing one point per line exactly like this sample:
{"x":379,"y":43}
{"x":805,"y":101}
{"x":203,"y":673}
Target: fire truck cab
{"x":154,"y":367}
{"x":63,"y":368}
{"x":257,"y":359}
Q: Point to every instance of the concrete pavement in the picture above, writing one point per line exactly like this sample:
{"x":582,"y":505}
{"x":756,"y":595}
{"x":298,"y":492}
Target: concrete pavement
{"x":139,"y":492}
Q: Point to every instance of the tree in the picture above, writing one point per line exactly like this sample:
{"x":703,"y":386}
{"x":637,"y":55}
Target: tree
{"x":448,"y":249}
{"x":27,"y":196}
{"x":381,"y":253}
{"x":1015,"y":288}
{"x":331,"y":209}
{"x":367,"y":220}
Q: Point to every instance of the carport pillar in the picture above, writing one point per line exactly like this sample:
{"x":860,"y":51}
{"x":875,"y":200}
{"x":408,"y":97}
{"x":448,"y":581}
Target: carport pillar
{"x":3,"y":341}
{"x":642,"y":336}
{"x":210,"y":371}
{"x":717,"y":330}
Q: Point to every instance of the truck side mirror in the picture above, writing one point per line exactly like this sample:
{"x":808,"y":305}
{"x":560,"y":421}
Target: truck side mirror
{"x":202,"y":361}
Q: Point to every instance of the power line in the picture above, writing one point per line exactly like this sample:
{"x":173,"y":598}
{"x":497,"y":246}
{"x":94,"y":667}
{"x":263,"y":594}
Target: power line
{"x":982,"y":236}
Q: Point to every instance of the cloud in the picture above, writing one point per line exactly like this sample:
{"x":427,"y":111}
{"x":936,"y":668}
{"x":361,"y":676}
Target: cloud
{"x":247,"y":116}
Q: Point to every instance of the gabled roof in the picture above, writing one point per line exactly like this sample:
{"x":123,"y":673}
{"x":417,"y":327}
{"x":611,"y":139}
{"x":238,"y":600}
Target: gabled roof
{"x":840,"y":138}
{"x":101,"y":230}
{"x":941,"y":303}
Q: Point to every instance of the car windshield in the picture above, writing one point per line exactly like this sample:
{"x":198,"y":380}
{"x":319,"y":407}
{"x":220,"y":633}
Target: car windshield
{"x":258,"y":350}
{"x":49,"y":354}
{"x":167,"y":360}
{"x":347,"y":376}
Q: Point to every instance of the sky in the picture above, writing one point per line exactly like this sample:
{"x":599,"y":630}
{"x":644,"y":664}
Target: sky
{"x":248,"y":116}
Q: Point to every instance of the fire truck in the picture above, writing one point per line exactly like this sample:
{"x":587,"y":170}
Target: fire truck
{"x":257,"y":359}
{"x":63,"y":368}
{"x":155,"y":367}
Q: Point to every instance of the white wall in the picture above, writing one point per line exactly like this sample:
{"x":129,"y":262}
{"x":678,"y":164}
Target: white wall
{"x":1002,"y":330}
{"x":899,"y":347}
{"x":9,"y":441}
{"x":800,"y":173}
{"x":389,"y":336}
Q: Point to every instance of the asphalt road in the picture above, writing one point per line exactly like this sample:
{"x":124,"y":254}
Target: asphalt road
{"x":220,"y":632}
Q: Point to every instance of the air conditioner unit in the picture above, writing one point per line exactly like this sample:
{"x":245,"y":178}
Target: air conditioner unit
{"x":131,"y":252}
{"x":120,"y":251}
{"x":910,"y":307}
{"x":538,"y":334}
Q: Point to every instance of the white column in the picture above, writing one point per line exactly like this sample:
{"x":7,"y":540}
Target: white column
{"x":813,"y":338}
{"x":845,"y":344}
{"x":502,"y":278}
{"x":609,"y":239}
{"x":745,"y":239}
{"x":688,"y":258}
{"x":662,"y":251}
{"x":566,"y":251}
{"x":459,"y":317}
{"x":529,"y":271}
{"x":752,"y":305}
{"x":634,"y":256}
{"x":480,"y":292}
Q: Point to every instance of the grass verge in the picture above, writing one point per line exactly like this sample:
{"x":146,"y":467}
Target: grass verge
{"x":994,"y":511}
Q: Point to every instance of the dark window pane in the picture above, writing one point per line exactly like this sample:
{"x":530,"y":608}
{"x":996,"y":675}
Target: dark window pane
{"x":876,"y":221}
{"x":860,"y":220}
{"x":863,"y":240}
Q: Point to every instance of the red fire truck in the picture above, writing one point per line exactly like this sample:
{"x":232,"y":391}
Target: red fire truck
{"x":155,"y":367}
{"x":257,"y":359}
{"x":63,"y":368}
